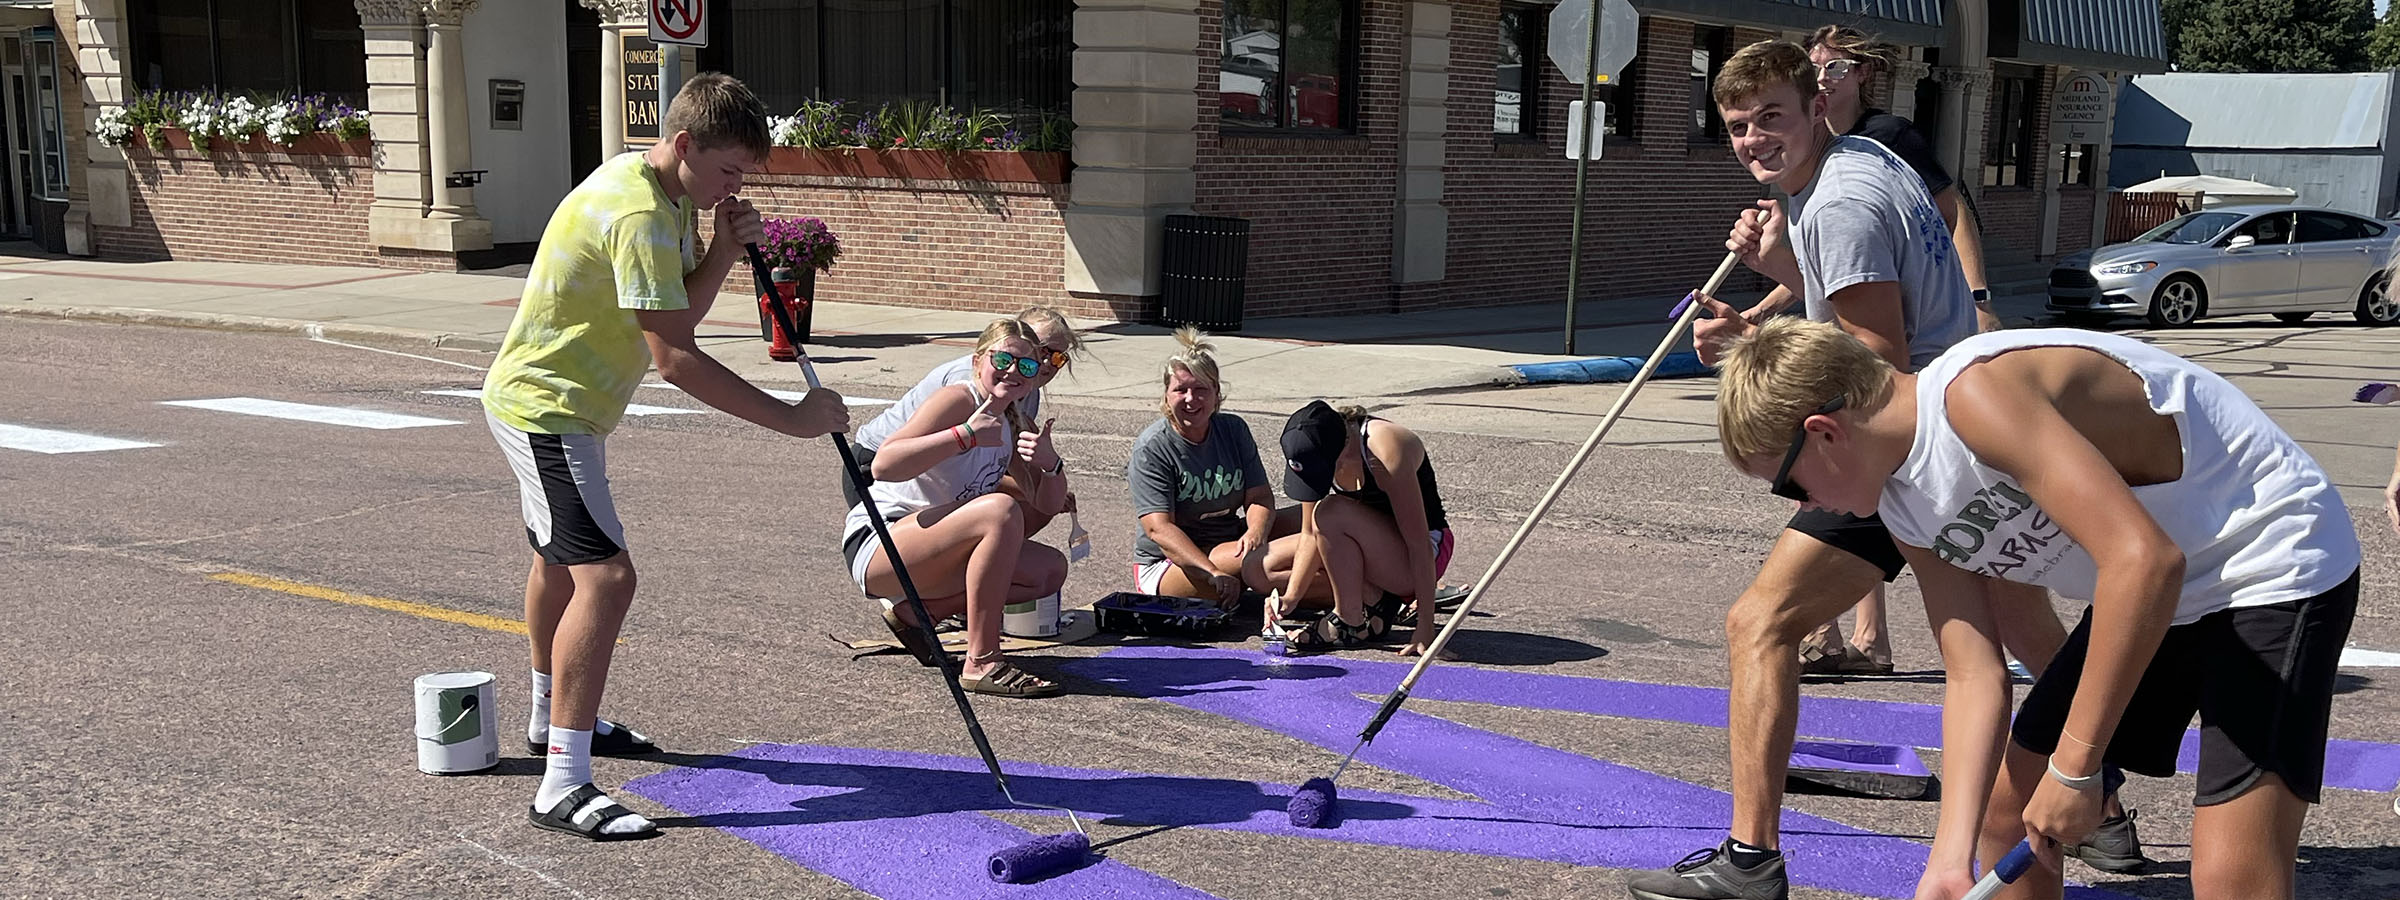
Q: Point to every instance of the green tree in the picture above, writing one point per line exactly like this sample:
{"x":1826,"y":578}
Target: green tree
{"x":2271,"y":35}
{"x":2383,"y":47}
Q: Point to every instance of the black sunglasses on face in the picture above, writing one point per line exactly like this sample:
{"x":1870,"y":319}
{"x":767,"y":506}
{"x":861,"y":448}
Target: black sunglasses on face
{"x":1783,"y":485}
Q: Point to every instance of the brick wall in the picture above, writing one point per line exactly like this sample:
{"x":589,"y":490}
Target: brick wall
{"x":1320,"y":207}
{"x":949,"y":245}
{"x":244,"y":206}
{"x":1658,"y":205}
{"x":2075,"y":219}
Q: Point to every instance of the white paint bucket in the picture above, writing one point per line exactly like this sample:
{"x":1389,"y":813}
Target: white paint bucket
{"x":1032,"y":618}
{"x":457,"y":728}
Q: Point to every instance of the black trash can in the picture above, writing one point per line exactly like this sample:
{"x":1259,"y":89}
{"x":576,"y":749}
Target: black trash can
{"x":1201,"y":271}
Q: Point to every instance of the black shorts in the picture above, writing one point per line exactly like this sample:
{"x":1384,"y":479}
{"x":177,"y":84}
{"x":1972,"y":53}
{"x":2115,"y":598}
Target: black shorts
{"x":2261,"y":678}
{"x":1863,"y":538}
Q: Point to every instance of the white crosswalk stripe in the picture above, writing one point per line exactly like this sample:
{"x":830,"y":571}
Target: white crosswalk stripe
{"x":47,"y":440}
{"x":631,"y":409}
{"x":306,"y":412}
{"x":2357,"y":657}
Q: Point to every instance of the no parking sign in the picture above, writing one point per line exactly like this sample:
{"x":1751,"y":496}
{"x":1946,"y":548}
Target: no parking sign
{"x":679,"y":22}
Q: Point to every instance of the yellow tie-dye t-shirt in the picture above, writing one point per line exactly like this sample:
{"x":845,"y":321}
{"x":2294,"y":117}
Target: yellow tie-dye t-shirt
{"x":575,"y":352}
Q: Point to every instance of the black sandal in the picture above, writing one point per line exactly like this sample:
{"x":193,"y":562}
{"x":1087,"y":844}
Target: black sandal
{"x":560,"y":817}
{"x":622,"y":741}
{"x":1331,"y":633}
{"x":912,"y":639}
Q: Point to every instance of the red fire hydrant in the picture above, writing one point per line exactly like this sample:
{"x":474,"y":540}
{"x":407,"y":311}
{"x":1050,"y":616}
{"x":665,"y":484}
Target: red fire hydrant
{"x":780,"y":346}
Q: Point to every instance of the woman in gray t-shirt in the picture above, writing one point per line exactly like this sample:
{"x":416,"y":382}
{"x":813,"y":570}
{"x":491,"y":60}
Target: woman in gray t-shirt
{"x":1206,"y":511}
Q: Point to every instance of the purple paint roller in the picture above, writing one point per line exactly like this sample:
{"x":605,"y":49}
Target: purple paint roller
{"x":2011,"y":866}
{"x":1023,"y":862}
{"x":2377,"y":392}
{"x":1312,"y":805}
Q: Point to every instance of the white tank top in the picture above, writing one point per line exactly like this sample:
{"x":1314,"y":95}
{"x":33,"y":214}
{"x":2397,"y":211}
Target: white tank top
{"x":2256,"y":518}
{"x":970,"y":474}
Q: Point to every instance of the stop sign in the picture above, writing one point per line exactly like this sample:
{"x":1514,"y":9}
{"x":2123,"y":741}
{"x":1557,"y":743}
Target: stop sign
{"x":1620,"y":28}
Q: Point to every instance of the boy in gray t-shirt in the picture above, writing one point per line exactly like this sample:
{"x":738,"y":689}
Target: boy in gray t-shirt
{"x":1864,"y":218}
{"x":1200,"y":484}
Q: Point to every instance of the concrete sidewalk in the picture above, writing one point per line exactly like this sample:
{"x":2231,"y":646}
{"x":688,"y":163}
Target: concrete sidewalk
{"x":854,"y":345}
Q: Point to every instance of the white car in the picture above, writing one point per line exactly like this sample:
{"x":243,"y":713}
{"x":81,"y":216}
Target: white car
{"x":2291,"y":261}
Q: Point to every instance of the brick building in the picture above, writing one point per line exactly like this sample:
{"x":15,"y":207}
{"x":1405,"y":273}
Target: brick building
{"x":1390,"y":154}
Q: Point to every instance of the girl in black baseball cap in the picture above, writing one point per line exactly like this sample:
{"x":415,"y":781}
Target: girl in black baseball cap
{"x":1372,"y":517}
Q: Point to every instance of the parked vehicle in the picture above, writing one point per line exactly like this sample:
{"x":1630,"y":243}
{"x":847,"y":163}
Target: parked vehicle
{"x":2289,"y":261}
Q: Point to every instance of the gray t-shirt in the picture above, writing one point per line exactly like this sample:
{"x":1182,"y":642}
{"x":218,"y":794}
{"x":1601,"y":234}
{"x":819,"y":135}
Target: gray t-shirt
{"x":1866,"y":217}
{"x":1202,"y":484}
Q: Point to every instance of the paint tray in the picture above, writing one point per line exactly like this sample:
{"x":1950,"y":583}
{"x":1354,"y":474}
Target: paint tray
{"x":1125,"y":612}
{"x":1880,"y":771}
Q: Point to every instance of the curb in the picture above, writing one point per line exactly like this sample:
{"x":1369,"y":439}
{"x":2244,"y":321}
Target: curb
{"x":373,"y":334}
{"x":1609,"y":369}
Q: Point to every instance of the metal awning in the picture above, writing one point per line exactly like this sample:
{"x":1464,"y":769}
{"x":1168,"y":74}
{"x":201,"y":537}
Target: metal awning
{"x":1917,"y":22}
{"x":2117,"y":35}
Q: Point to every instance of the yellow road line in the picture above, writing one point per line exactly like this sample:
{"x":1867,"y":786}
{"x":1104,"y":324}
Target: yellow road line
{"x":420,"y":610}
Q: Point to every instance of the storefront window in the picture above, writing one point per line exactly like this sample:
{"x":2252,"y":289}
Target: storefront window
{"x":43,"y":50}
{"x":1708,"y":56}
{"x":1001,"y":55}
{"x":248,"y":46}
{"x":1515,"y":72}
{"x":2075,"y":164}
{"x":2008,"y":150}
{"x":1286,"y":64}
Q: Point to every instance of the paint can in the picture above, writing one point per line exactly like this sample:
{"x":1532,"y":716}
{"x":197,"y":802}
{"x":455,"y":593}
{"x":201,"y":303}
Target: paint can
{"x":457,"y":728}
{"x":1032,"y":618}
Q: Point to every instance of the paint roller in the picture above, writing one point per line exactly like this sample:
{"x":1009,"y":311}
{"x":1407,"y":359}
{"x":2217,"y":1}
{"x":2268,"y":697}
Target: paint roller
{"x":1313,"y":803}
{"x":2011,"y":866}
{"x":1020,"y":863}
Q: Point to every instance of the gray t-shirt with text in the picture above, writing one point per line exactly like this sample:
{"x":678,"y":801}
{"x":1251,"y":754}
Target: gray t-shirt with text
{"x":1865,"y":218}
{"x":1201,"y":484}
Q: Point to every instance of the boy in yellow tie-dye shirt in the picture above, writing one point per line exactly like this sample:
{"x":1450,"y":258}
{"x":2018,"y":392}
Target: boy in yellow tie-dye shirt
{"x":616,"y":286}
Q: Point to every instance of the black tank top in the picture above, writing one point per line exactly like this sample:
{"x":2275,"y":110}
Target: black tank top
{"x":1375,"y":497}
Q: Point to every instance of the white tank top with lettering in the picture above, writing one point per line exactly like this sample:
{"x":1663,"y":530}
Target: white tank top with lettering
{"x":2255,"y":516}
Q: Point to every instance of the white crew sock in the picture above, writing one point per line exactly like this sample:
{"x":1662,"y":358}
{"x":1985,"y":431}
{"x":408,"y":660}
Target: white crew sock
{"x":570,"y":767}
{"x":538,"y":729}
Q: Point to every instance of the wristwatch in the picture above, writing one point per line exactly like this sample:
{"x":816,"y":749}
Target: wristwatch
{"x":1983,"y":297}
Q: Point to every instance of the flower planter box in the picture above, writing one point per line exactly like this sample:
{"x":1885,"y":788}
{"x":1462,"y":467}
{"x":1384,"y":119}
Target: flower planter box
{"x":1028,"y":166}
{"x":316,"y":144}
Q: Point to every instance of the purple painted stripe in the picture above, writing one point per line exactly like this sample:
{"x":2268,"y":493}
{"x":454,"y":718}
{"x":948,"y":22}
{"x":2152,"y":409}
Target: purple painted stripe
{"x":2349,"y":764}
{"x":1880,"y":758}
{"x":896,"y":825}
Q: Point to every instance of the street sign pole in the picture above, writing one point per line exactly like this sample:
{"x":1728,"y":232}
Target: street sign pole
{"x":670,"y":80}
{"x":1583,"y":165}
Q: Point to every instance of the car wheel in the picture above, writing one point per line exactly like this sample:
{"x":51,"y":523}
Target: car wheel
{"x":2294,"y":317}
{"x":2376,"y":306}
{"x":2177,"y":302}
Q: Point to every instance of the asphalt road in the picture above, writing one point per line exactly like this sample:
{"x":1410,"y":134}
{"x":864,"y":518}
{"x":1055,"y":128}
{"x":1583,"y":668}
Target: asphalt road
{"x":209,"y":650}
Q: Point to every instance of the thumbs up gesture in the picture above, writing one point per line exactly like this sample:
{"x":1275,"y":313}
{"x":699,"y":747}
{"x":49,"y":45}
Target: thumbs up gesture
{"x":1035,"y":447}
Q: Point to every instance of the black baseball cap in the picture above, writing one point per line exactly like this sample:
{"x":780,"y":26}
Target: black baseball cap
{"x":1312,"y":442}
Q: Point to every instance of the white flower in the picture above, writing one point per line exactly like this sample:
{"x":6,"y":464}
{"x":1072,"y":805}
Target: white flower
{"x":785,"y":129}
{"x":281,"y":122}
{"x":112,"y":127}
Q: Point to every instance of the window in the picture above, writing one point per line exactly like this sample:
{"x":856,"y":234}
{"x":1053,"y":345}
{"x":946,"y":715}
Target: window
{"x":42,"y":58}
{"x":2272,"y":229}
{"x":1007,"y":56}
{"x":248,"y":46}
{"x":2008,"y":143}
{"x":2075,"y":164}
{"x":1516,"y":104}
{"x":1286,"y":64}
{"x":2324,"y":226}
{"x":1708,"y":57}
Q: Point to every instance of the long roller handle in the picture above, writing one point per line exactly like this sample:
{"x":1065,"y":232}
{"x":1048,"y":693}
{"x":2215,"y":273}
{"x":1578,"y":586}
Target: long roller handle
{"x":765,"y":281}
{"x":1690,"y":311}
{"x":2004,"y":874}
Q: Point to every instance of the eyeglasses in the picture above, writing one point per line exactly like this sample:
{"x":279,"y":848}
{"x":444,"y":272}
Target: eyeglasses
{"x":1783,"y":485}
{"x":1027,"y":366}
{"x":1835,"y":69}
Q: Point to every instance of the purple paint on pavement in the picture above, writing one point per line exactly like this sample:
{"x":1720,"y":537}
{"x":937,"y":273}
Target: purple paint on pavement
{"x":1879,"y":758}
{"x":2350,"y":765}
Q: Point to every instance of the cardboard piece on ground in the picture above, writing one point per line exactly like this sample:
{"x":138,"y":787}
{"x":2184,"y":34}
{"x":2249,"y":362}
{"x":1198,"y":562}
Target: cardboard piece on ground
{"x":1881,"y":771}
{"x":1074,"y":626}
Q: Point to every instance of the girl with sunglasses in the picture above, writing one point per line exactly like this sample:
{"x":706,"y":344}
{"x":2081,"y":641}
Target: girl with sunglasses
{"x":939,"y":470}
{"x":1055,"y":345}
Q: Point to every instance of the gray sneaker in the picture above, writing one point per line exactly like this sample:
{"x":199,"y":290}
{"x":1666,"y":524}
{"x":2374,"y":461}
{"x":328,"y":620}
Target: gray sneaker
{"x":1711,"y":875}
{"x":2112,"y":847}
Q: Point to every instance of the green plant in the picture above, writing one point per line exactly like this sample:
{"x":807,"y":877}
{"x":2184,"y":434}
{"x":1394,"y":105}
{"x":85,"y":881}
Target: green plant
{"x":907,"y":122}
{"x":1053,"y":132}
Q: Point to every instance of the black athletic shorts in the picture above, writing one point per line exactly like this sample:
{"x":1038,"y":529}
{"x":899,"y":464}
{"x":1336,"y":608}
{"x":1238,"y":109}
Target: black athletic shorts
{"x":1863,"y":538}
{"x":2261,"y":678}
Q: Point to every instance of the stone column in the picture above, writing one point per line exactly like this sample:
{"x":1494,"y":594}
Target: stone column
{"x":1421,"y":226}
{"x":100,"y":56}
{"x":1903,"y":102}
{"x":1963,"y":99}
{"x":401,"y":111}
{"x":2100,"y":191}
{"x":617,"y":17}
{"x":446,"y":118}
{"x":1135,"y":111}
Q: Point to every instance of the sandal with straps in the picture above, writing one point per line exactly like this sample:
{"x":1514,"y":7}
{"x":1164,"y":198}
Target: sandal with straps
{"x":912,"y":639}
{"x":1004,"y":680}
{"x":1331,"y":633}
{"x":560,"y":817}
